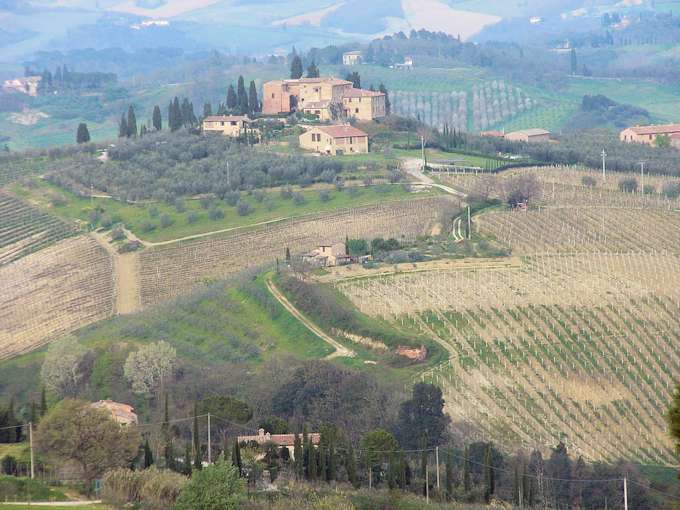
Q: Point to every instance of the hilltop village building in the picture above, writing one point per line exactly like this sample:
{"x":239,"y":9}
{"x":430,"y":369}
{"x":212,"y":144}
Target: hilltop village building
{"x":351,"y":58}
{"x":228,"y":125}
{"x":123,"y":414}
{"x":327,"y":97}
{"x":27,"y":85}
{"x":335,"y":140}
{"x":649,"y":134}
{"x":286,"y":441}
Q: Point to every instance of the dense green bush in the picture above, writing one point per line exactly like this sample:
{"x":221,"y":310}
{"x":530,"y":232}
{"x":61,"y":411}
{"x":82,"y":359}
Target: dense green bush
{"x":216,"y":487}
{"x":24,"y":489}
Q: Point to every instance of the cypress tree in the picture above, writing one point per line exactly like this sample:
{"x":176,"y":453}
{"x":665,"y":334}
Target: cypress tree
{"x":449,"y":476}
{"x":157,"y":118}
{"x":131,"y":123}
{"x":323,"y":464}
{"x":122,"y":127}
{"x":236,"y":458}
{"x":207,"y":110}
{"x":388,"y":105}
{"x":312,"y":71}
{"x":82,"y":135}
{"x":489,"y":474}
{"x":298,"y":459}
{"x":232,"y":100}
{"x":43,"y":402}
{"x":33,"y":413}
{"x":186,"y":464}
{"x":393,"y":471}
{"x":198,"y":464}
{"x":168,"y":454}
{"x":296,"y":68}
{"x":253,"y":101}
{"x":176,"y":115}
{"x":467,"y":486}
{"x":313,"y":462}
{"x":351,"y":467}
{"x":242,"y":96}
{"x":305,"y":451}
{"x":403,"y":469}
{"x":148,"y":455}
{"x":332,"y":462}
{"x":287,"y":254}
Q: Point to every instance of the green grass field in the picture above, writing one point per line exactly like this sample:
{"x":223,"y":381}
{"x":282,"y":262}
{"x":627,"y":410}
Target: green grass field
{"x":135,"y":216}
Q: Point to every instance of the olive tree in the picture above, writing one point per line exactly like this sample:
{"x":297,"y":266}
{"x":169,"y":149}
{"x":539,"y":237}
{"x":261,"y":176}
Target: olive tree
{"x":148,"y":368}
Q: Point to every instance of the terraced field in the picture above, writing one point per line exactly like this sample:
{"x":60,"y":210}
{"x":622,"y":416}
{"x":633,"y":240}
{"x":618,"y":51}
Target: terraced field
{"x":52,"y":292}
{"x":25,"y":229}
{"x":581,"y":342}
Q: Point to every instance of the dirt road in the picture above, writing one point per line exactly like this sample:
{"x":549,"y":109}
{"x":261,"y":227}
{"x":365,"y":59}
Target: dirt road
{"x":414,"y":168}
{"x":340,"y":350}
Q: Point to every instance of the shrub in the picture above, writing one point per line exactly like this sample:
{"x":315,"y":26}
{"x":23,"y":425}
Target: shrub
{"x":130,"y":246}
{"x":286,"y":193}
{"x":118,"y":234}
{"x":192,"y":217}
{"x":166,"y":220}
{"x":232,"y":198}
{"x":672,"y":190}
{"x":216,"y":214}
{"x":9,"y":465}
{"x":649,"y":189}
{"x":180,"y":206}
{"x":324,"y":196}
{"x":206,"y":203}
{"x":57,"y":200}
{"x":339,"y":185}
{"x":299,"y":199}
{"x":22,"y":489}
{"x":259,"y":196}
{"x":589,"y":181}
{"x":217,"y":487}
{"x":106,"y":221}
{"x":244,"y":208}
{"x":147,"y":226}
{"x":628,"y":185}
{"x":153,"y":212}
{"x":162,"y":489}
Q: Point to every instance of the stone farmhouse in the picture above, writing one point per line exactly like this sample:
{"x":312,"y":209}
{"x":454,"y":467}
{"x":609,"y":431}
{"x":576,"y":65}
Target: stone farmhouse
{"x":648,"y":134}
{"x":123,"y":414}
{"x":335,"y":140}
{"x":286,"y":441}
{"x":228,"y":125}
{"x":327,"y":97}
{"x":529,"y":136}
{"x":351,"y":58}
{"x":27,"y":85}
{"x":328,"y":255}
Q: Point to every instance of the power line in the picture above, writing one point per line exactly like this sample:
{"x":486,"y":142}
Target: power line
{"x":666,"y":494}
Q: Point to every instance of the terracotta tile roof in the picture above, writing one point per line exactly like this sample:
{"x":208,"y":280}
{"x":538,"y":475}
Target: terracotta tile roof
{"x":362,"y":93}
{"x":227,"y":118}
{"x":122,"y":413}
{"x":655,"y":130}
{"x":341,"y":131}
{"x":530,"y":132}
{"x":323,"y":79}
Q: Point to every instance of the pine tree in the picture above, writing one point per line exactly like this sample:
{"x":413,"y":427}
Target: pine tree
{"x":236,"y":458}
{"x":253,"y":101}
{"x":351,"y":466}
{"x":388,"y":105}
{"x":122,"y":127}
{"x":207,"y":110}
{"x":296,"y":68}
{"x":157,"y":118}
{"x":242,"y":96}
{"x":312,"y":71}
{"x":198,"y":464}
{"x":148,"y":455}
{"x":43,"y":402}
{"x":467,"y":486}
{"x":232,"y":100}
{"x":82,"y":135}
{"x":131,"y":123}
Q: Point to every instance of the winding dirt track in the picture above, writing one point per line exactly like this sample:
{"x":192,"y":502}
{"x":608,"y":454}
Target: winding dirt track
{"x":340,"y":350}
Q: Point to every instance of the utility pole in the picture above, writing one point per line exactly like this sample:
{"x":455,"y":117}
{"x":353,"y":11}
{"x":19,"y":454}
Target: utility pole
{"x":625,"y":494}
{"x":422,"y":149}
{"x":209,"y":443}
{"x":30,"y":440}
{"x":427,"y":485}
{"x":370,"y":477}
{"x":436,"y":454}
{"x":469,"y":227}
{"x":642,"y":177}
{"x":604,"y":165}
